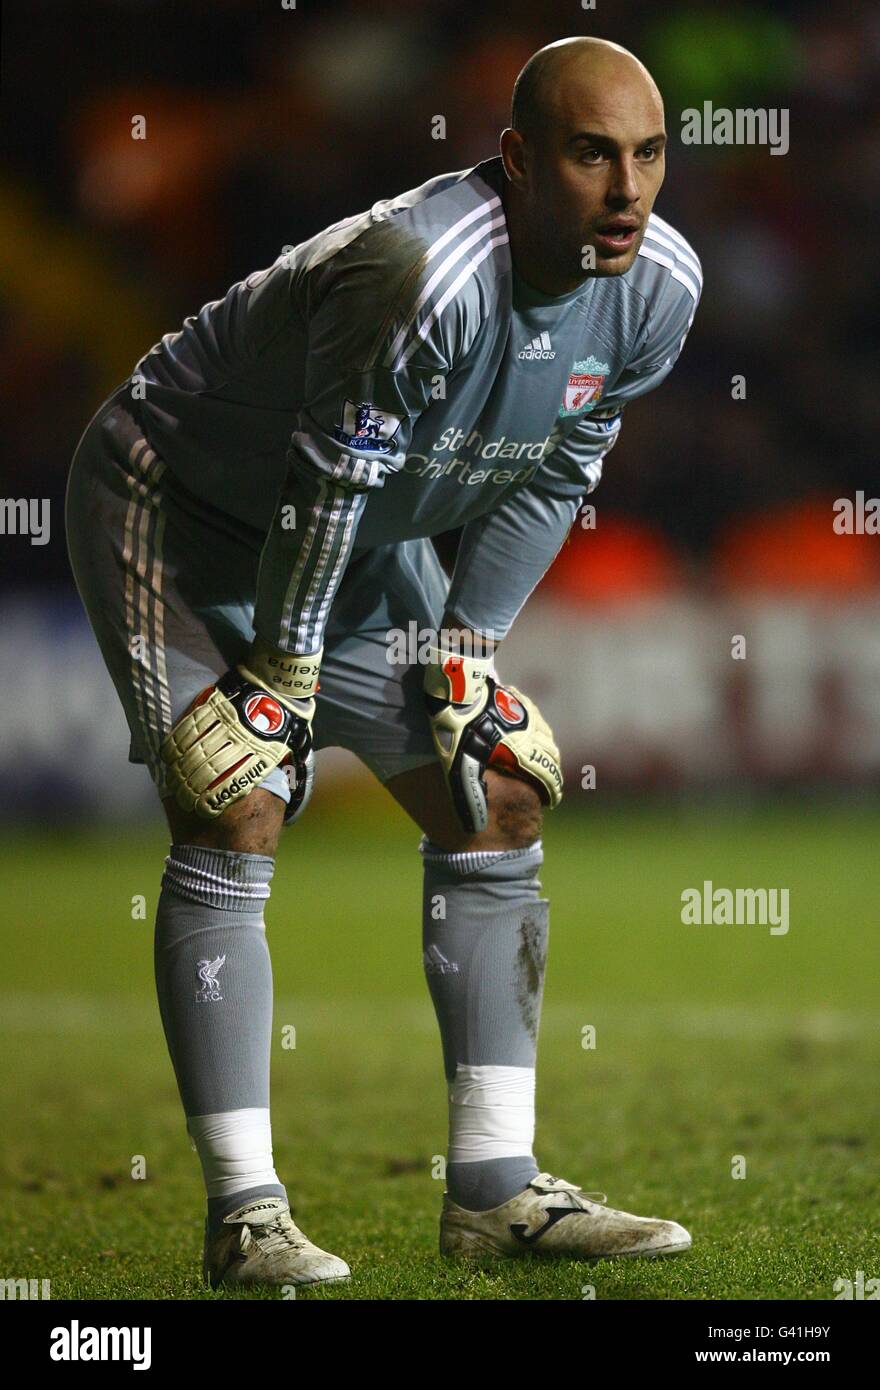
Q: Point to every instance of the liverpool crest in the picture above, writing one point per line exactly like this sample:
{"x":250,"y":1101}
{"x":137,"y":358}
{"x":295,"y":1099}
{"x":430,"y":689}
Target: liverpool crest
{"x":585,"y":385}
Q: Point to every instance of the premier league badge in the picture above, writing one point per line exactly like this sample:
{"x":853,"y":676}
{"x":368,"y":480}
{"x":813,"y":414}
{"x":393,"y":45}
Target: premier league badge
{"x":367,"y":429}
{"x":585,"y":384}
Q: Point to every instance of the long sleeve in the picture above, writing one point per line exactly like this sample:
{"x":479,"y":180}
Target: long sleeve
{"x":504,"y":554}
{"x":375,"y":353}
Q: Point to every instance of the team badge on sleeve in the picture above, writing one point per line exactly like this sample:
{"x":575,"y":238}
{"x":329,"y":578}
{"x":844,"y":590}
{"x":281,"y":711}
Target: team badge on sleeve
{"x":585,"y":385}
{"x":366,"y":428}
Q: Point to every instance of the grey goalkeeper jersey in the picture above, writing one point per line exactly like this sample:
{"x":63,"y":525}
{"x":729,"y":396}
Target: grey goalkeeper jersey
{"x":393,"y":377}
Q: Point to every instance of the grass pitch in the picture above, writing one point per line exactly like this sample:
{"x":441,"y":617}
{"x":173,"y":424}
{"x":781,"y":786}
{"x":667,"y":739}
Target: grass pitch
{"x":714,"y":1045}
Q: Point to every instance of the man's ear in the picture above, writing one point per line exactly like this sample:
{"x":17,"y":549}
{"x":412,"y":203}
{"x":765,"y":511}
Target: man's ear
{"x":513,"y":153}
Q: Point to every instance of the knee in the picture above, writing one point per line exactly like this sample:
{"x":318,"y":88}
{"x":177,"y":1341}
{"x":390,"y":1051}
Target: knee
{"x":514,"y":818}
{"x":514,"y":811}
{"x":250,"y":826}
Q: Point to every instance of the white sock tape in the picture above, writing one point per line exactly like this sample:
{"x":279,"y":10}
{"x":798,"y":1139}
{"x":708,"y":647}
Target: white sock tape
{"x":235,"y":1149}
{"x":491,"y":1113}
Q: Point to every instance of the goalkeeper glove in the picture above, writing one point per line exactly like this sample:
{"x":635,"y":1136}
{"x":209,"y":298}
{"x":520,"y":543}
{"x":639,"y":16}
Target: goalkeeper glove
{"x":477,"y":723}
{"x":257,"y":717}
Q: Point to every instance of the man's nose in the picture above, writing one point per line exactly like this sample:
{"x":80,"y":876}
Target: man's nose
{"x":624,"y":187}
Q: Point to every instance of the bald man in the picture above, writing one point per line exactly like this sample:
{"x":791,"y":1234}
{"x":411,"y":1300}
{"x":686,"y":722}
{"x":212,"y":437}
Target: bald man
{"x":252,"y":510}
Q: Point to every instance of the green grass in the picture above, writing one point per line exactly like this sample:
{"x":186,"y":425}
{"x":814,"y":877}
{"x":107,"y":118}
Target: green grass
{"x":712,"y":1041}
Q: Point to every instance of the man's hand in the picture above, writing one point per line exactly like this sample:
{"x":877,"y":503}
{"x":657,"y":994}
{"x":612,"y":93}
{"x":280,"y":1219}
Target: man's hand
{"x":477,"y":723}
{"x":257,"y":717}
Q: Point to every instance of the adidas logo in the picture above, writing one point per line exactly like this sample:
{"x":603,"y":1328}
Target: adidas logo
{"x":438,"y":964}
{"x":538,"y":350}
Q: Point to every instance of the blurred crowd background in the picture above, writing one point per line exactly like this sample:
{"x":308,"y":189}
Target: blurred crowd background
{"x":267,"y":122}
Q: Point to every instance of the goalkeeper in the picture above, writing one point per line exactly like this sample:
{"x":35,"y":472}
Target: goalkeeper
{"x":249,"y":519}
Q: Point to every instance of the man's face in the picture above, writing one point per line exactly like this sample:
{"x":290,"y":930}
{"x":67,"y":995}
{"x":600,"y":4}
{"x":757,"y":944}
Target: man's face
{"x":594,"y":174}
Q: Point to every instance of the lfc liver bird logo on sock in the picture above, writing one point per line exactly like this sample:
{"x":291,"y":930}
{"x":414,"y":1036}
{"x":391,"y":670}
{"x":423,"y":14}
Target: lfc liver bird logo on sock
{"x":207,"y":971}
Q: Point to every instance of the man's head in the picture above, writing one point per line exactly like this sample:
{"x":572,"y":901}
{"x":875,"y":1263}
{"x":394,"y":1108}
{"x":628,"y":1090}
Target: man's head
{"x":584,"y":160}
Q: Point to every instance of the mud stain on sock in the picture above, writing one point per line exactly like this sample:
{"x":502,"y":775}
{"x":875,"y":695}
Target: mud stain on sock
{"x":531,"y":958}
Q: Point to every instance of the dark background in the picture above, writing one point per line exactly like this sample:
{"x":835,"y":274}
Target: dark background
{"x":265,"y":124}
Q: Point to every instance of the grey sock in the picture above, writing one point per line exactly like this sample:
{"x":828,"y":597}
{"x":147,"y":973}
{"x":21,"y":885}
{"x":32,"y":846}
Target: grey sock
{"x":218,"y":1207}
{"x":214,"y":982}
{"x":481,"y":1186}
{"x":485,"y":945}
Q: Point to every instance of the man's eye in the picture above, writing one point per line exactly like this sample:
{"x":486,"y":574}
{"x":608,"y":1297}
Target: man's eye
{"x":649,"y":152}
{"x":592,"y":156}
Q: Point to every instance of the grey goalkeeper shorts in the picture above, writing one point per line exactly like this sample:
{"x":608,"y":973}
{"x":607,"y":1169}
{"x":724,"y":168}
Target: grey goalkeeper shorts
{"x":169,"y":584}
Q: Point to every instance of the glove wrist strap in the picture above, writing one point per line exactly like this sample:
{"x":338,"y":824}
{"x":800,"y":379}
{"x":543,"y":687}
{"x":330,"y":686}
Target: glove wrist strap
{"x":457,"y":680}
{"x":285,"y":673}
